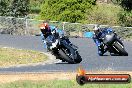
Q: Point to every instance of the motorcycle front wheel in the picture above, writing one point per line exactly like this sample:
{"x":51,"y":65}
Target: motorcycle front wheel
{"x":68,"y":59}
{"x":120,"y":49}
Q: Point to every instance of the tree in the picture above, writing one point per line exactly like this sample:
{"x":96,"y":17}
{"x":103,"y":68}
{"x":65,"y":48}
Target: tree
{"x":3,"y":7}
{"x":66,"y":10}
{"x":19,"y":8}
{"x":125,"y":18}
{"x":35,"y":6}
{"x":126,"y":4}
{"x":125,"y":15}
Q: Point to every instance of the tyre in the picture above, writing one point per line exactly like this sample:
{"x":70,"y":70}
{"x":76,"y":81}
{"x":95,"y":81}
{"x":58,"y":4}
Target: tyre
{"x":65,"y":57}
{"x":78,"y":59}
{"x":120,"y":49}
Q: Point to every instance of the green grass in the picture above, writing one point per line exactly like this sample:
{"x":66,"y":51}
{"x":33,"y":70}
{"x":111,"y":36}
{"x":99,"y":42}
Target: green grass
{"x":10,"y":56}
{"x":60,"y":84}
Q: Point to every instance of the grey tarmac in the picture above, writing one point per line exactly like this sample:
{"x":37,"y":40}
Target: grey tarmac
{"x":87,"y":49}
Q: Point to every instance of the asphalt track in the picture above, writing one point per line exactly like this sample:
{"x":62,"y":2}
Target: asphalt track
{"x":87,"y":49}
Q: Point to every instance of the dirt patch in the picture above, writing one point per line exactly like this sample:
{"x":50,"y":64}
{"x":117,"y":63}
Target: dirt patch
{"x":6,"y":78}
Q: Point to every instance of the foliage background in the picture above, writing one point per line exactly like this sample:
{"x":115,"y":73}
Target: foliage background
{"x":66,"y":10}
{"x":118,"y":12}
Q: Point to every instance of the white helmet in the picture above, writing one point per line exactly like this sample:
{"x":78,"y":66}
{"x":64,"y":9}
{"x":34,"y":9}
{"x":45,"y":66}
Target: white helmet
{"x":96,"y":27}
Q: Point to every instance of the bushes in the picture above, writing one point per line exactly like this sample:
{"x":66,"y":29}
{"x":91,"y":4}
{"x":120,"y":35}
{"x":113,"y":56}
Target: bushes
{"x":15,"y":8}
{"x":35,"y":10}
{"x":66,"y":10}
{"x":19,"y":8}
{"x":35,"y":6}
{"x":82,"y":11}
{"x":104,"y":14}
{"x":125,"y":15}
{"x":3,"y":7}
{"x":108,"y":14}
{"x":125,"y":4}
{"x":125,"y":18}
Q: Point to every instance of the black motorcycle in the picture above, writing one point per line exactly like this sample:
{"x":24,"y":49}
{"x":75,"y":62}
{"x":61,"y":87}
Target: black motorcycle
{"x":113,"y":44}
{"x":63,"y":50}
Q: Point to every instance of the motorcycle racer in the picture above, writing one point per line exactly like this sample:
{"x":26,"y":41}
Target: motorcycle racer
{"x":98,"y":32}
{"x":50,"y":33}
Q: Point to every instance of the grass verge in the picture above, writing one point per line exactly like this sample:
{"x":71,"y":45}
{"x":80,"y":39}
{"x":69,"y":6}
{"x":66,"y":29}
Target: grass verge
{"x":10,"y":56}
{"x":60,"y":84}
{"x":53,"y":80}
